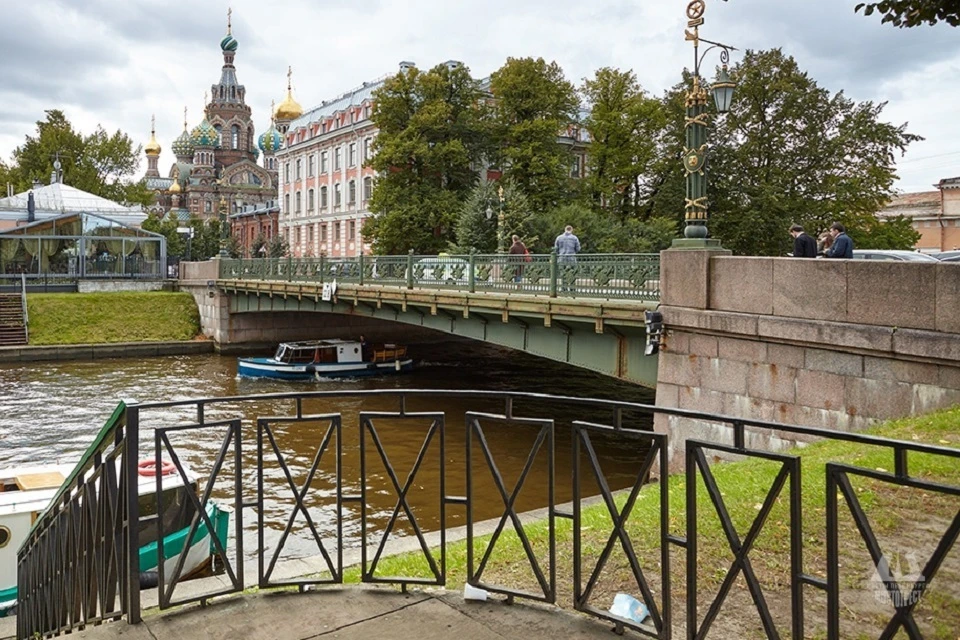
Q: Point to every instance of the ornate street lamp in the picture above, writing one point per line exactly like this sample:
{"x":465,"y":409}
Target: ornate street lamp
{"x":696,"y":149}
{"x":223,"y":228}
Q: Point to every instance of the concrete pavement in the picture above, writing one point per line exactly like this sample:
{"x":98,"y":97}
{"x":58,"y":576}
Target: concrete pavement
{"x":356,"y":613}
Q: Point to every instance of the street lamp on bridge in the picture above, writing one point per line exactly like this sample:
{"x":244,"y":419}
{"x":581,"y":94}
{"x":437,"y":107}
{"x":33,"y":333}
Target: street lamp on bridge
{"x":500,"y":226}
{"x":696,"y":149}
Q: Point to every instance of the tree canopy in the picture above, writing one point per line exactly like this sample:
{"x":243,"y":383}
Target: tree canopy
{"x":914,"y":13}
{"x":100,"y":163}
{"x":431,"y":141}
{"x":790,"y":151}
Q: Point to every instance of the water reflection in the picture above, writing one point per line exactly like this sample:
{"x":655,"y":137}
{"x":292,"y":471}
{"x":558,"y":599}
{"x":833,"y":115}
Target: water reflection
{"x":50,"y":412}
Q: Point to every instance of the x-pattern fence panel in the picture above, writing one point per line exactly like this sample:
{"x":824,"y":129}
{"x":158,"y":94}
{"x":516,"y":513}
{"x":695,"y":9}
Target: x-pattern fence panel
{"x":79,"y":565}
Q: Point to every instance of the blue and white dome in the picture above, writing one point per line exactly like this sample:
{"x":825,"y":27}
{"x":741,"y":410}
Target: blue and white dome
{"x":271,"y":140}
{"x":205,"y":135}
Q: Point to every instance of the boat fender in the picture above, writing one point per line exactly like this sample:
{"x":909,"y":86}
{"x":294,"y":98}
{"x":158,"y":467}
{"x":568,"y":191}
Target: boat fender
{"x":310,"y":369}
{"x":396,"y":364}
{"x":148,"y":468}
{"x":149,"y":579}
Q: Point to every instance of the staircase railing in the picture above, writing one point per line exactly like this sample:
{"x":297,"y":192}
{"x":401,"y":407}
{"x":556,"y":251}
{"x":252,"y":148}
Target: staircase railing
{"x":23,"y":302}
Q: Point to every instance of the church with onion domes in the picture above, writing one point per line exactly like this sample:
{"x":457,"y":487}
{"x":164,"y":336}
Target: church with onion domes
{"x":220,"y":164}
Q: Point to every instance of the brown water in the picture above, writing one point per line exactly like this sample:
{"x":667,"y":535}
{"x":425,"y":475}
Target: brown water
{"x":49,"y":412}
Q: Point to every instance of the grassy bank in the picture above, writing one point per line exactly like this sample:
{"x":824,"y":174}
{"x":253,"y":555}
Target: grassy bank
{"x":908,"y":523}
{"x":97,"y":318}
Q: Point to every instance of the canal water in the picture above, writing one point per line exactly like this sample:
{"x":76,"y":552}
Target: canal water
{"x":50,"y":412}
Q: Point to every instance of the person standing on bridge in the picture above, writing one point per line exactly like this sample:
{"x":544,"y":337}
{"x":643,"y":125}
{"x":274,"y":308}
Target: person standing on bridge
{"x":518,"y":255}
{"x":842,"y":244}
{"x":803,"y":245}
{"x":567,"y":247}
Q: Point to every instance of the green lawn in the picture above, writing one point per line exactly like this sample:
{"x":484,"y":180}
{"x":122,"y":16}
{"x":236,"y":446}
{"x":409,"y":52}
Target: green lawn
{"x":908,"y":523}
{"x":97,"y":318}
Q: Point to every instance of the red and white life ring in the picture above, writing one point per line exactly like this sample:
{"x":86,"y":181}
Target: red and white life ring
{"x":149,"y":468}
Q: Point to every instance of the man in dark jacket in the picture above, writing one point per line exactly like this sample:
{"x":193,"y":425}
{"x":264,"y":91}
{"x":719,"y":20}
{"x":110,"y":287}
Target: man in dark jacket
{"x":842,"y":244}
{"x":803,"y":245}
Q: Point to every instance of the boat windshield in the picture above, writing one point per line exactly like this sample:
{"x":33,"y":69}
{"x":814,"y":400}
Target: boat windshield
{"x":281,"y":350}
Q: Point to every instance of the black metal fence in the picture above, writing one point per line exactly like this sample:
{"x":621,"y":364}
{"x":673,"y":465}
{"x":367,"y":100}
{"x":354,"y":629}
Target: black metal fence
{"x":79,"y":565}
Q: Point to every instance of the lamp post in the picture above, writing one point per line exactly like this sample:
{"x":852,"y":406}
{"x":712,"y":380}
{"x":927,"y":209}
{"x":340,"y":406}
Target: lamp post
{"x":696,"y":149}
{"x":223,"y":228}
{"x":500,"y":224}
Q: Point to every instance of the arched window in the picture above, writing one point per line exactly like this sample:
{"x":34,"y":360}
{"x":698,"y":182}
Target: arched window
{"x":323,"y":197}
{"x":235,"y":137}
{"x":219,"y":127}
{"x":352,"y":193}
{"x":233,"y":93}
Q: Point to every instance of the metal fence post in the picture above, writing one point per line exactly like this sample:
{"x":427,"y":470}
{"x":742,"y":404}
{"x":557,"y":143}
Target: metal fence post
{"x":289,"y":268}
{"x":553,"y":273}
{"x":129,"y":470}
{"x":472,"y":277}
{"x":410,"y":269}
{"x":322,"y":266}
{"x":360,"y":260}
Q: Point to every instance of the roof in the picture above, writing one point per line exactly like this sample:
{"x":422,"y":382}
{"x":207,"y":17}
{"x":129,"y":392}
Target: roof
{"x":58,"y":198}
{"x":913,"y":205}
{"x":351,"y":98}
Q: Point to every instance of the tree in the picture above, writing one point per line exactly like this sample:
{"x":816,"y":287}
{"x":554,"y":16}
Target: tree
{"x":167,"y":227}
{"x":100,"y":163}
{"x":887,"y":233}
{"x":623,"y":125}
{"x":914,"y":13}
{"x":533,"y":104}
{"x":433,"y":135}
{"x":476,"y":232}
{"x":790,"y":151}
{"x":277,"y":247}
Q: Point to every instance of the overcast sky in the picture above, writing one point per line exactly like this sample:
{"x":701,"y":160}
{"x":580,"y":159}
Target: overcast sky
{"x":115,"y":62}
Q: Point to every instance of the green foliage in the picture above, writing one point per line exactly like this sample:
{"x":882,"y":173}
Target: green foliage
{"x":598,"y":233}
{"x":433,"y":133}
{"x":623,"y":125}
{"x":914,"y":13}
{"x":888,"y":233}
{"x":97,"y":318}
{"x":206,"y":237}
{"x":100,"y":163}
{"x":258,"y":244}
{"x":533,"y":104}
{"x":790,"y":151}
{"x":277,"y":247}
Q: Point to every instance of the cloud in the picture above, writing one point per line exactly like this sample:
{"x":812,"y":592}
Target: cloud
{"x":114,"y":62}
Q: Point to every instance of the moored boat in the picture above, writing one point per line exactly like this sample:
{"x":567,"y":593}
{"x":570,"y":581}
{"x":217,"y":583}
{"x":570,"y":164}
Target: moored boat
{"x":25,"y":492}
{"x":327,"y":358}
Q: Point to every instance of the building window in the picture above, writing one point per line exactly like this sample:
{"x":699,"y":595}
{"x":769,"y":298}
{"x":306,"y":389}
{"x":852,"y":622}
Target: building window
{"x":323,"y":197}
{"x":235,"y":137}
{"x":336,"y":232}
{"x":367,"y":188}
{"x":336,"y":195}
{"x":336,"y":159}
{"x":286,"y":172}
{"x":323,"y":233}
{"x":286,"y":203}
{"x":323,"y":162}
{"x":366,"y":148}
{"x":310,"y":163}
{"x":298,"y":202}
{"x":310,"y":200}
{"x":299,"y":167}
{"x":353,"y":229}
{"x":352,"y":193}
{"x":575,"y":167}
{"x":352,"y":155}
{"x":310,"y":234}
{"x":298,"y":235}
{"x":207,"y":206}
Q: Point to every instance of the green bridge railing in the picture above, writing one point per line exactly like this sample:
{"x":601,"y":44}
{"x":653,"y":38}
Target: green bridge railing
{"x":618,"y":276}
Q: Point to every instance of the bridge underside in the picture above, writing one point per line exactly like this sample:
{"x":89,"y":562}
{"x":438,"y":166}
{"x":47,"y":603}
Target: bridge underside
{"x":602,"y":336}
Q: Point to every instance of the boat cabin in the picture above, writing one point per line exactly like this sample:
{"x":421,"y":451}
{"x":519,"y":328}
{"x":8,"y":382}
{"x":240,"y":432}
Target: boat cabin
{"x":319,"y":351}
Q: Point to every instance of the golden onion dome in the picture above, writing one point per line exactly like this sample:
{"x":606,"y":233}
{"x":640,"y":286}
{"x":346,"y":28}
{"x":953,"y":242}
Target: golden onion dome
{"x":175,"y":187}
{"x":153,"y":147}
{"x":289,"y":109}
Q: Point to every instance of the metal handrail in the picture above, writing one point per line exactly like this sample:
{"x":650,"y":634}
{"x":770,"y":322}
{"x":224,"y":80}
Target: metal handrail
{"x":42,"y":576}
{"x":23,"y":302}
{"x":610,"y":276}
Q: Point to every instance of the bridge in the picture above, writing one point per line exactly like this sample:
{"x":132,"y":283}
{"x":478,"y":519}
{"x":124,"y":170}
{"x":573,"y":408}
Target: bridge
{"x":589,"y":313}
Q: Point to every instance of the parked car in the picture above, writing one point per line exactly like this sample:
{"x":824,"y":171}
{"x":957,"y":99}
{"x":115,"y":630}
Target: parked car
{"x":889,"y":254}
{"x":442,"y":270}
{"x":947,"y":256}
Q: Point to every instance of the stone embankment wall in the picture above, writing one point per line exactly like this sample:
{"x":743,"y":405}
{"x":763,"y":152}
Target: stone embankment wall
{"x":822,"y":343}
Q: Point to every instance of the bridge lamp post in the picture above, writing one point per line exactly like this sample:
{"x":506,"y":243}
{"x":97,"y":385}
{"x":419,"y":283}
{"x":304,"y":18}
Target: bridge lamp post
{"x":500,"y":225}
{"x":696,"y":149}
{"x":223,"y":228}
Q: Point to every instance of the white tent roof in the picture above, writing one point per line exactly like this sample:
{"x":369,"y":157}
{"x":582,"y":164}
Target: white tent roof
{"x":57,"y":199}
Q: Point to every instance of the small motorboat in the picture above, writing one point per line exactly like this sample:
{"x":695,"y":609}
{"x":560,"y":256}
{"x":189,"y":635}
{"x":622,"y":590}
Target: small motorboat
{"x":25,"y":492}
{"x":327,"y":359}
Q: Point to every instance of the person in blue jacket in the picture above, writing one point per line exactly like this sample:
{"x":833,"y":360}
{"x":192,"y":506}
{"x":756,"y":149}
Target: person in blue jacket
{"x":842,"y":244}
